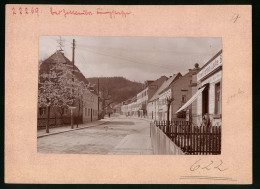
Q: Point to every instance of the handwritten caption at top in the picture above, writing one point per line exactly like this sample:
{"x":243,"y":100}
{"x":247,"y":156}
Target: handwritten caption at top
{"x":65,"y":12}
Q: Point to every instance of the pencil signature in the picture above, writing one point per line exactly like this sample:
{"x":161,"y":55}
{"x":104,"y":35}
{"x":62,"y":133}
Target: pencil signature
{"x":239,"y":92}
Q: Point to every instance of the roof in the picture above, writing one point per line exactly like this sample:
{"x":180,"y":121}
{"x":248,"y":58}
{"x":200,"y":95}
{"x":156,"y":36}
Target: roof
{"x":178,"y":80}
{"x":164,"y":86}
{"x":211,"y":59}
{"x":58,"y":56}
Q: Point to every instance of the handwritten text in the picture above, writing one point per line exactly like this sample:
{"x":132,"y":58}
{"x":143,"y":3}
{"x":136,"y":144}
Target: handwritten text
{"x":212,"y":165}
{"x":239,"y":92}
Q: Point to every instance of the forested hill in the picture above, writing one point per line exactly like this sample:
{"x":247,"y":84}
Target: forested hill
{"x":119,"y":87}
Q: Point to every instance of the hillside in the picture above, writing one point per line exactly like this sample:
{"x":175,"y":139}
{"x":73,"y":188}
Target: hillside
{"x":119,"y":87}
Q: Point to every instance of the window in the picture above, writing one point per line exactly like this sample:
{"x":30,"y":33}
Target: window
{"x":88,"y":112}
{"x":183,"y":98}
{"x":217,"y":99}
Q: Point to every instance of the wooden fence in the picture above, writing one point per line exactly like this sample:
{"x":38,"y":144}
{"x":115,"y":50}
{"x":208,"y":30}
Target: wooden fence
{"x":162,"y":145}
{"x":197,"y":140}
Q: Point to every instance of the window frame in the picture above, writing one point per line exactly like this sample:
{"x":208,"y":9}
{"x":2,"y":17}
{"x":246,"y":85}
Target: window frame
{"x":218,"y":108}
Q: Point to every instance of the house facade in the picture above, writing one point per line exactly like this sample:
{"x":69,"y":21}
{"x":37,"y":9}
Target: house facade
{"x":142,"y":99}
{"x":157,"y":104}
{"x":130,"y":107}
{"x":182,"y":91}
{"x":162,"y":104}
{"x":146,"y":94}
{"x":205,"y":102}
{"x":210,"y":83}
{"x":90,"y":106}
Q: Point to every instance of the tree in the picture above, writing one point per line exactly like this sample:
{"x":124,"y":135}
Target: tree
{"x":106,"y":97}
{"x":56,"y":88}
{"x":169,"y":101}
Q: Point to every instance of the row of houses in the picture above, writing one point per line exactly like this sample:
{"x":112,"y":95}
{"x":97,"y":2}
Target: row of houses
{"x":196,"y":96}
{"x":87,"y":105}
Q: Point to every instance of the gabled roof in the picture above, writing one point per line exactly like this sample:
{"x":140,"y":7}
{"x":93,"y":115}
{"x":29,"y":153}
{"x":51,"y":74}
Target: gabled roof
{"x":176,"y":81}
{"x":164,"y":86}
{"x":59,"y":56}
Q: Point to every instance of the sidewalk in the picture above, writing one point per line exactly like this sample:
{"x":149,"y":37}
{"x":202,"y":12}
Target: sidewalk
{"x":63,"y":129}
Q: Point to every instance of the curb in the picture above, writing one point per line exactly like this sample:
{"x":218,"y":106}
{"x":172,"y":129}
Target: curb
{"x":44,"y":135}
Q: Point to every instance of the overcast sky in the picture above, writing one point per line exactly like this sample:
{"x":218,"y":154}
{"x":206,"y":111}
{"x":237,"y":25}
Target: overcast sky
{"x":135,"y":58}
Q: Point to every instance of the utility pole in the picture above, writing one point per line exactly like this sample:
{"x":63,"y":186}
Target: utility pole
{"x":73,"y":53}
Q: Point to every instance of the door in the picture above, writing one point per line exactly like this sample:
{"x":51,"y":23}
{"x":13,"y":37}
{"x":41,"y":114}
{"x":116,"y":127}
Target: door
{"x":205,"y":101}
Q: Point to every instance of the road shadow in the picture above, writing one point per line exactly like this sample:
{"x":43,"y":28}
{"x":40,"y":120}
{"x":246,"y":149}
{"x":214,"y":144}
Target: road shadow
{"x":121,"y":123}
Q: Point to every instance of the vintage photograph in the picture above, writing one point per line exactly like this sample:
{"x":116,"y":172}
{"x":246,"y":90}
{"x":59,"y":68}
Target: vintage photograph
{"x":129,"y":95}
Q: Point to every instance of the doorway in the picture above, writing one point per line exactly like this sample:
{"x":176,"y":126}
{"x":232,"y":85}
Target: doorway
{"x":205,"y":101}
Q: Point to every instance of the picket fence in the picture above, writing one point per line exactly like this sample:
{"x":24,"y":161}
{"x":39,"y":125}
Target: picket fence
{"x":194,"y":140}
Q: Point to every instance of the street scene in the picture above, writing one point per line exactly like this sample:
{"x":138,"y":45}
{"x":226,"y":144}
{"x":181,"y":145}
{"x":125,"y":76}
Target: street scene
{"x":114,"y":136}
{"x":129,"y":95}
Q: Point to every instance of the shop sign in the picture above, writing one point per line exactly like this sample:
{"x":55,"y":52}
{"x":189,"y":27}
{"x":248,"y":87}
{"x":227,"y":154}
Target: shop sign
{"x":214,"y":64}
{"x":216,"y":77}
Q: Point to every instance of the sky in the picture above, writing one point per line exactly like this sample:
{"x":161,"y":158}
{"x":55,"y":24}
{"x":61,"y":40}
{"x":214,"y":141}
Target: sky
{"x":135,"y":58}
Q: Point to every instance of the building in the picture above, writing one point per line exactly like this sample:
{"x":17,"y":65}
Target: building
{"x":85,"y":101}
{"x":157,"y":107}
{"x":90,"y":106}
{"x":207,"y":98}
{"x":146,"y":94}
{"x":130,"y":107}
{"x":210,"y":83}
{"x":180,"y":91}
{"x":117,"y":110}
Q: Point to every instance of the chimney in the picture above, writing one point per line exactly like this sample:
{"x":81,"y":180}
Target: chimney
{"x":196,"y":66}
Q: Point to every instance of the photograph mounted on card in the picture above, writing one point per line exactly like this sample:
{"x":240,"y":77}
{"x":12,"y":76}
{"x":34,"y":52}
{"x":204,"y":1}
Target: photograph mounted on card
{"x":98,"y":93}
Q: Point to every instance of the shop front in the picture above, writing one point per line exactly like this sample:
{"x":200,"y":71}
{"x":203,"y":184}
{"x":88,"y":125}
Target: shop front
{"x":209,"y":100}
{"x":208,"y":95}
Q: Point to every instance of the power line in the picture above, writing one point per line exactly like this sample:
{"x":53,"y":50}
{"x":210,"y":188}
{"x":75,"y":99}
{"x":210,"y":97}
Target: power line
{"x":146,"y":50}
{"x":125,"y":59}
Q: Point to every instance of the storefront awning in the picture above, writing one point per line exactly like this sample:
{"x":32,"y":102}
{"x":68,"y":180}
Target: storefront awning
{"x":194,"y":97}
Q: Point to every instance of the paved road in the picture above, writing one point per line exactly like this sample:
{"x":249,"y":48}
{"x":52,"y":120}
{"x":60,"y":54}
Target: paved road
{"x":118,"y":136}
